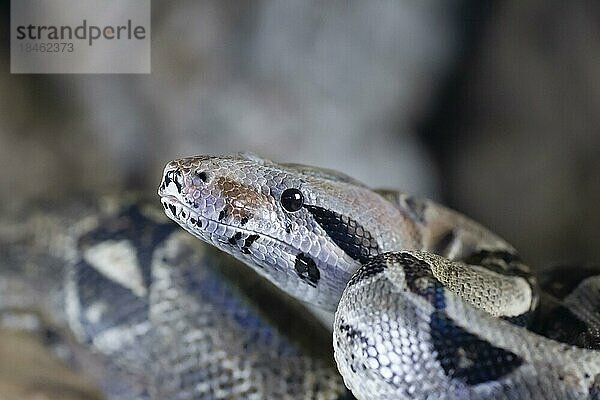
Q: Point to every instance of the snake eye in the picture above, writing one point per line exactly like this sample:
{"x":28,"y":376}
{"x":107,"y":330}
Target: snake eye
{"x":198,"y":177}
{"x":202,"y":176}
{"x":292,"y":200}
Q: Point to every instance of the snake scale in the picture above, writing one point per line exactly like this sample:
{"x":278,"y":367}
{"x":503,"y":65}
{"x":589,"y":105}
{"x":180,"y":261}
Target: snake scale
{"x":428,"y":304}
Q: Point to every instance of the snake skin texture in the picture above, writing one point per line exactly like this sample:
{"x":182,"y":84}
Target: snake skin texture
{"x":429,"y":304}
{"x":151,"y":313}
{"x":431,"y":343}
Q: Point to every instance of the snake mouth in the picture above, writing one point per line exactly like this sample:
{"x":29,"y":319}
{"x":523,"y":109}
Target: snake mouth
{"x":192,"y":221}
{"x":240,"y":242}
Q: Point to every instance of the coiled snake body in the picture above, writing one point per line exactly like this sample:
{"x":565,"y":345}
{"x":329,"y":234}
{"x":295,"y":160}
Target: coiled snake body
{"x":149,"y":312}
{"x":430,"y":305}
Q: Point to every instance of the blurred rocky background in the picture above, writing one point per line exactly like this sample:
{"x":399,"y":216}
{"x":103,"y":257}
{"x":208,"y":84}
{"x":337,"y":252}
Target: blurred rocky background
{"x":491,"y":107}
{"x":516,"y":129}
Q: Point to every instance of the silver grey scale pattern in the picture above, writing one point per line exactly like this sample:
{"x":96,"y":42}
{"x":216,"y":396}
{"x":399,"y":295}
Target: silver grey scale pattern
{"x":430,"y":343}
{"x":430,"y":304}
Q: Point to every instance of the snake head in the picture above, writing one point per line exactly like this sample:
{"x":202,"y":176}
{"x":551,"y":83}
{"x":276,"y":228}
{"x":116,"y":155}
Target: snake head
{"x":305,"y":229}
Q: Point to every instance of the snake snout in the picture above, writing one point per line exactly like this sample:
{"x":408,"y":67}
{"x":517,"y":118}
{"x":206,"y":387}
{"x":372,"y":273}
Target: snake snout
{"x":192,"y":193}
{"x":172,"y":181}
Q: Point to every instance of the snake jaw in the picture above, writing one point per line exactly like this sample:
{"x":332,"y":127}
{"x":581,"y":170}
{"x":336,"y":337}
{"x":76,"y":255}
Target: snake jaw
{"x":270,"y":257}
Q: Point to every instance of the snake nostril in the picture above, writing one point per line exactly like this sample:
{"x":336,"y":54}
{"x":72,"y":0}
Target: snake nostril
{"x":175,"y":177}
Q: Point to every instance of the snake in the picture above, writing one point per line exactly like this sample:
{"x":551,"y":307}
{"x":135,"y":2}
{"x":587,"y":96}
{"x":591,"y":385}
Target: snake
{"x":428,"y":303}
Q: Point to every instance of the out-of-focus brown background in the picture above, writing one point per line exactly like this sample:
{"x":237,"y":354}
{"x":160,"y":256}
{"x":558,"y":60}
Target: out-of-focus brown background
{"x":490,"y":107}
